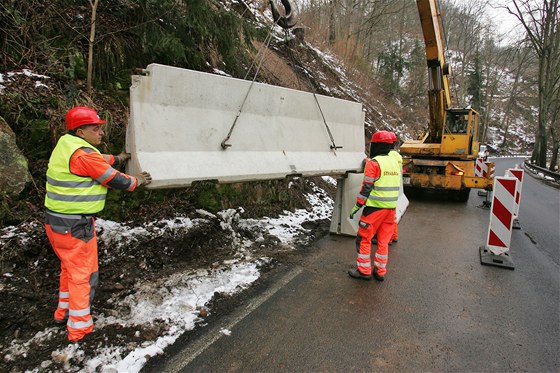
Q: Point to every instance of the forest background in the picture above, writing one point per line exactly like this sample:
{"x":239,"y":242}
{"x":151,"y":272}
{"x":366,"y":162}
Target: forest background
{"x":63,"y":53}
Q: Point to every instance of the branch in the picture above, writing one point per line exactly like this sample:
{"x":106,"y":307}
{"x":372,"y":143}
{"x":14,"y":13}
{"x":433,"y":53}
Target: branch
{"x":519,"y":15}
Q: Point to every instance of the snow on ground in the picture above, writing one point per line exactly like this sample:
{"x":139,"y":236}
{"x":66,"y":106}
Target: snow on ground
{"x":176,"y":300}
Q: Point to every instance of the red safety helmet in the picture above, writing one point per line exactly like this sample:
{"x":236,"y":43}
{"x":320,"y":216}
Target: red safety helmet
{"x":384,"y":136}
{"x":80,"y":116}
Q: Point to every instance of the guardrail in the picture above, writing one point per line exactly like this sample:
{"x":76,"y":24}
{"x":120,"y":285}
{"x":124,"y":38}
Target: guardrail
{"x":536,"y":169}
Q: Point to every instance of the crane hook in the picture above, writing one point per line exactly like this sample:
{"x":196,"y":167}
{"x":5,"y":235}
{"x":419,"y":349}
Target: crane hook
{"x":289,"y":20}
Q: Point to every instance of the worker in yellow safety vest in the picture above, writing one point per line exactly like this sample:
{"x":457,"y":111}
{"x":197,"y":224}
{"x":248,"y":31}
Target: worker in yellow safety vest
{"x":78,"y":177}
{"x":378,"y":196}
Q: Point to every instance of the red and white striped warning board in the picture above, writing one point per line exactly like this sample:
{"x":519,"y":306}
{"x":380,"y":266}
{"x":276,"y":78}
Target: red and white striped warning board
{"x":501,"y":215}
{"x":518,"y":174}
{"x":488,"y":170}
{"x":479,"y":167}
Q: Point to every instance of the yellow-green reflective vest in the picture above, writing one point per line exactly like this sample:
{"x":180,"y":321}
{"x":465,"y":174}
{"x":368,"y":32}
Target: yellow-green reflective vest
{"x":68,"y":193}
{"x":385,"y":191}
{"x":396,"y":156}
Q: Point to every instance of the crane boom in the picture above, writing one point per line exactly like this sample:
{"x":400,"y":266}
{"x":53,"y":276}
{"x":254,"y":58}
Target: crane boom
{"x":439,"y":95}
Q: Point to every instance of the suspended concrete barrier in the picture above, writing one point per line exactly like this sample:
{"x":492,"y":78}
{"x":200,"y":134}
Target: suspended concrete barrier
{"x":188,"y":126}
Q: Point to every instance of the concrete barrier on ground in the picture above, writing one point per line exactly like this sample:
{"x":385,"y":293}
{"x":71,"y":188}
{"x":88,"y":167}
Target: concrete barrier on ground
{"x":347,"y":190}
{"x":180,"y":118}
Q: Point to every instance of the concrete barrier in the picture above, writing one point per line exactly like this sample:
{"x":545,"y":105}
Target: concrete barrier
{"x":179,"y":118}
{"x":346,"y":192}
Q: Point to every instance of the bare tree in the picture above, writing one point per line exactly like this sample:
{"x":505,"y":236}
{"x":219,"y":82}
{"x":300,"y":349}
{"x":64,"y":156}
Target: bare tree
{"x":522,"y":59}
{"x":555,"y":134}
{"x":332,"y":20}
{"x":540,"y":22}
{"x":91,"y":41}
{"x":356,"y":27}
{"x":465,"y":32}
{"x":493,"y":78}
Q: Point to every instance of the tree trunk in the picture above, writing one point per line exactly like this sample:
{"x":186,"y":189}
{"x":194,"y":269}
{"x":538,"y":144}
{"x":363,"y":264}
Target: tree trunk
{"x":91,"y":41}
{"x":554,"y":133}
{"x":541,"y":139}
{"x":400,"y":59}
{"x":506,"y":131}
{"x":332,"y":22}
{"x":554,"y":159}
{"x":512,"y":96}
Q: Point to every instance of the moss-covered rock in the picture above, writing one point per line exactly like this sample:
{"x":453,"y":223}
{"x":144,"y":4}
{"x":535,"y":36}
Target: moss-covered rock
{"x":14,"y":171}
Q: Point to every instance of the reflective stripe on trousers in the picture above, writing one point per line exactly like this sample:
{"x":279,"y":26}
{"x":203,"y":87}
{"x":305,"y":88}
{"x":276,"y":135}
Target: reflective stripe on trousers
{"x":78,"y":280}
{"x":381,"y":224}
{"x":61,"y":312}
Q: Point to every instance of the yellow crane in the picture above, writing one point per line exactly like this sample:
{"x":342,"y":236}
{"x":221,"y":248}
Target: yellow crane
{"x":444,"y":158}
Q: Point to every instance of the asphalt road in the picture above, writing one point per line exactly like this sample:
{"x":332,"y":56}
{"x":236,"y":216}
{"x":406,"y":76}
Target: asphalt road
{"x":438,"y":310}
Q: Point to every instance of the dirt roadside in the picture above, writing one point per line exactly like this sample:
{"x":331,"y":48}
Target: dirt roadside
{"x":29,"y":285}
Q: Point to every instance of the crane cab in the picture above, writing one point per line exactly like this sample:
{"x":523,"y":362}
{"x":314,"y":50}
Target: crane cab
{"x":460,"y":133}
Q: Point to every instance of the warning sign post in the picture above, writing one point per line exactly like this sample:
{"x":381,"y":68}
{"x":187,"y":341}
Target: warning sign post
{"x":518,"y":174}
{"x":496,"y":250}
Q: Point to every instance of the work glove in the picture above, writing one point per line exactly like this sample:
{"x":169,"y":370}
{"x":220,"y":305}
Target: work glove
{"x":355,"y":209}
{"x":122,"y":157}
{"x":143,"y":178}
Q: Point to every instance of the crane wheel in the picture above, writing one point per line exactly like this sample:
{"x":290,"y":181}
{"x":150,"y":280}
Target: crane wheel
{"x":462,"y":195}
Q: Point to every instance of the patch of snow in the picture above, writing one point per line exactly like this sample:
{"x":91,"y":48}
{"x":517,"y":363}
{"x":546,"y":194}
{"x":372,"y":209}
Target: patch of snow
{"x":175,"y":300}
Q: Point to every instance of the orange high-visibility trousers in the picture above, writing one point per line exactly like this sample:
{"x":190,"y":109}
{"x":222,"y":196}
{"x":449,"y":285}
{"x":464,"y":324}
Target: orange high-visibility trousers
{"x":395,"y":236}
{"x":381,"y":224}
{"x":78,"y":277}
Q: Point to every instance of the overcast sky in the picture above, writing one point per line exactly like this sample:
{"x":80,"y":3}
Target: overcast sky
{"x":506,"y":23}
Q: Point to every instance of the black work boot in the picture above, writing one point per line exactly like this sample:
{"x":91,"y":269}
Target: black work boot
{"x":374,"y":241}
{"x":378,"y":277}
{"x":60,"y":323}
{"x":356,"y":274}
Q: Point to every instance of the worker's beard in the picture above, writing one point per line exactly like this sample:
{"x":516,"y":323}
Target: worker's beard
{"x":379,"y":148}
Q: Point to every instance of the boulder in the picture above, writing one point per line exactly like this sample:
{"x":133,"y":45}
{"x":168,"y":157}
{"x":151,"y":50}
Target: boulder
{"x":14,"y":171}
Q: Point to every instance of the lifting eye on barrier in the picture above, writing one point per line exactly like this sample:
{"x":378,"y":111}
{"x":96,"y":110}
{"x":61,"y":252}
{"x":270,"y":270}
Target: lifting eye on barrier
{"x":336,"y":147}
{"x":141,"y":71}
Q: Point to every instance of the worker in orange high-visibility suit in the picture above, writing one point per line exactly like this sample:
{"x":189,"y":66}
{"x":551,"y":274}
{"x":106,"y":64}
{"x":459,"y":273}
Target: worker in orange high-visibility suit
{"x":378,"y":195}
{"x":395,"y":154}
{"x":78,"y":177}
